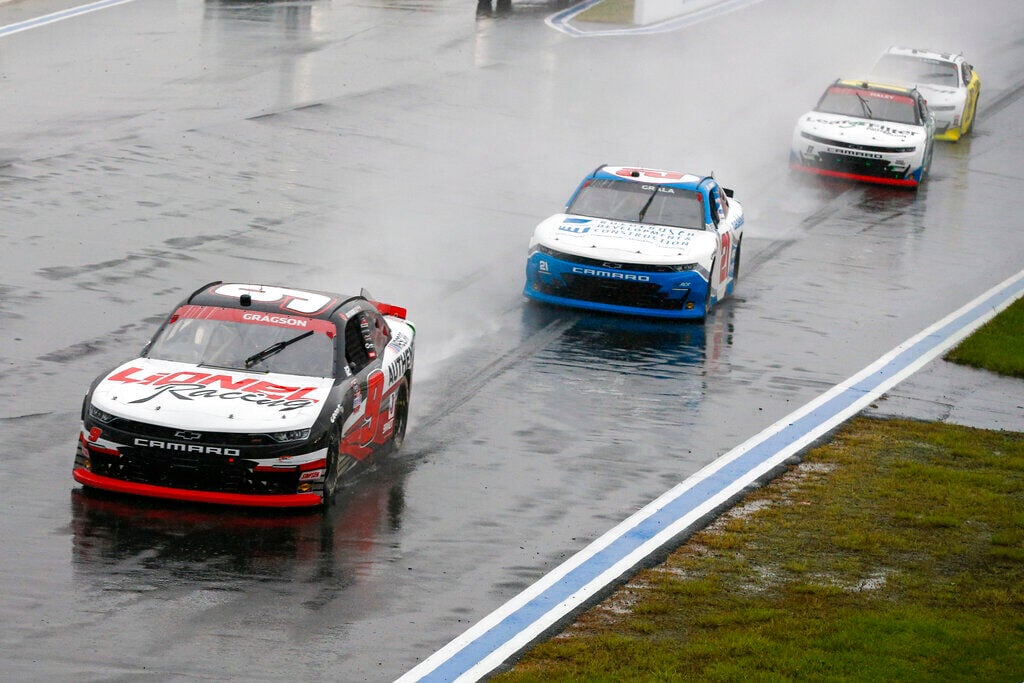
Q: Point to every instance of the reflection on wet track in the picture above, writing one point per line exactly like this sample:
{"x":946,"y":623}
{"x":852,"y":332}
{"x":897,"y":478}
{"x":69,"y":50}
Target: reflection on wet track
{"x":410,"y":148}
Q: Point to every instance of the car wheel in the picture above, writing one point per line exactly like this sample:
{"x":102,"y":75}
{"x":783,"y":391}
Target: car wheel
{"x":333,"y":473}
{"x":974,"y":115}
{"x":736,"y":266}
{"x":401,"y":417}
{"x":707,"y":295}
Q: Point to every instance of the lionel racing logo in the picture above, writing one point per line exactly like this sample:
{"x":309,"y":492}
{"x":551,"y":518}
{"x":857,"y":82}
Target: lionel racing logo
{"x":612,"y":276}
{"x":187,"y":386}
{"x":185,"y":447}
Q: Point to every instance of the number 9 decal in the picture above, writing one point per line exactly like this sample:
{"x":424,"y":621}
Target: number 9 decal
{"x":292,"y":299}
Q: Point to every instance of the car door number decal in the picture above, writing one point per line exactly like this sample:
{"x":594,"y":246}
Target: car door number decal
{"x":724,"y":264}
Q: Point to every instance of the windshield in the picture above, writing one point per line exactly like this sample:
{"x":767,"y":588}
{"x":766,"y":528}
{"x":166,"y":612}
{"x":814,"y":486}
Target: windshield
{"x":868,"y":104}
{"x":917,"y":70}
{"x":227,"y":338}
{"x":639,"y":203}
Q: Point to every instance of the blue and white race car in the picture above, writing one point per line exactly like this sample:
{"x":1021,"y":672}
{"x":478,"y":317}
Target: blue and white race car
{"x":639,"y":241}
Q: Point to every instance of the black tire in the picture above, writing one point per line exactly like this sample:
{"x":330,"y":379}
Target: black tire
{"x":736,"y":266}
{"x":974,"y":116}
{"x":333,"y":474}
{"x":707,"y":296}
{"x":401,"y":418}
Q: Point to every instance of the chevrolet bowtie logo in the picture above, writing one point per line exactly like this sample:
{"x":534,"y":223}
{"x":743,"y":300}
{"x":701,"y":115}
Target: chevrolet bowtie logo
{"x":606,"y":264}
{"x":187,"y":436}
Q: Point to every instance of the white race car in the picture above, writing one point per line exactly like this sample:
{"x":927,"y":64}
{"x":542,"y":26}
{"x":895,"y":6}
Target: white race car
{"x":251,"y":395}
{"x":949,"y":84}
{"x":868,"y":132}
{"x":639,"y":241}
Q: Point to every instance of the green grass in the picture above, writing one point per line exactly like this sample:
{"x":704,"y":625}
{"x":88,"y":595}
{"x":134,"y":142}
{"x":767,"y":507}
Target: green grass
{"x":609,"y":12}
{"x":894,"y":552}
{"x":903,"y":561}
{"x":998,"y":345}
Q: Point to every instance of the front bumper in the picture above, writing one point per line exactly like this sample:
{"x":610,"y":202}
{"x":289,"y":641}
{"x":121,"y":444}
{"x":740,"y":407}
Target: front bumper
{"x":879,"y":171}
{"x":96,"y":481}
{"x":678,"y":295}
{"x":230,"y":477}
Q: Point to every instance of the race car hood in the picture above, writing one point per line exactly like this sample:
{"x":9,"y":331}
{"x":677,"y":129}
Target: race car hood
{"x":623,"y":241}
{"x":173,"y":394}
{"x":860,"y":131}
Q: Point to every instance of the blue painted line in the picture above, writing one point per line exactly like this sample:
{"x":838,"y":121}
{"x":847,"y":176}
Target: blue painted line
{"x":568,"y":587}
{"x":59,"y":16}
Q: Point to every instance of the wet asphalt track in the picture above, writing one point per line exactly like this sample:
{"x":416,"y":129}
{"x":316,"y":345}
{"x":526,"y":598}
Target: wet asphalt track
{"x":410,"y":147}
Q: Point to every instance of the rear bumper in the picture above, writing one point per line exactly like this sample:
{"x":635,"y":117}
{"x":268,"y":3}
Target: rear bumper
{"x":292,"y":500}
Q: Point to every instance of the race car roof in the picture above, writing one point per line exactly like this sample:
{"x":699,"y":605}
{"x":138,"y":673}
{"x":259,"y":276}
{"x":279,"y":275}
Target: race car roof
{"x":272,"y":299}
{"x":648,"y":176}
{"x":923,"y":54}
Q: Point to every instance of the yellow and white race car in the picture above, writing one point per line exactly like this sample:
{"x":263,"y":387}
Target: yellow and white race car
{"x":949,"y":84}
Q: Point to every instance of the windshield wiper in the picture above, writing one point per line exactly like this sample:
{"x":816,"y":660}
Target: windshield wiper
{"x":864,"y":105}
{"x":647,"y":205}
{"x":274,"y":348}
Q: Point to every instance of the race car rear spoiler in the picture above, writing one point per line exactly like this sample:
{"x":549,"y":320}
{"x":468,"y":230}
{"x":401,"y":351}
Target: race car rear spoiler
{"x":385,"y":309}
{"x":390,"y":309}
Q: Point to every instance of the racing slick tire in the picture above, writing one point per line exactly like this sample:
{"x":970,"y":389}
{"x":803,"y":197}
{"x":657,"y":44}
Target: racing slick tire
{"x":333,"y":474}
{"x":401,"y":418}
{"x":736,"y":266}
{"x":707,"y":296}
{"x":974,"y":115}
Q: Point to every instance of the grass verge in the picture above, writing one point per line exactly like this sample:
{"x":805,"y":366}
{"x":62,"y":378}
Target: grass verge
{"x":893,"y":552}
{"x":896,"y":551}
{"x":998,"y":345}
{"x":608,"y":12}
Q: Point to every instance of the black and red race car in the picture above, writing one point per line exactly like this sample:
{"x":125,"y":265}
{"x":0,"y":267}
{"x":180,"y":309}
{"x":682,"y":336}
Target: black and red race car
{"x":251,"y":395}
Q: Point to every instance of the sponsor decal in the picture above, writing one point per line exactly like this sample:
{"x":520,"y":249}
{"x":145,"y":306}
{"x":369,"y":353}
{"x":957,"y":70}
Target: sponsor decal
{"x":191,"y":385}
{"x":872,"y":94}
{"x":357,"y":395}
{"x":364,"y":330}
{"x":872,"y":126}
{"x":237,"y":315}
{"x":578,"y":229}
{"x":398,"y":367}
{"x":185,"y":447}
{"x":662,"y":236}
{"x":593,"y":272}
{"x":854,"y":153}
{"x":399,"y":341}
{"x":275,"y":319}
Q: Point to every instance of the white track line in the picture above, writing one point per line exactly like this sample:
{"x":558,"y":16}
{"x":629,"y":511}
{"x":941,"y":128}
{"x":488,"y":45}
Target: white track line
{"x":59,"y":16}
